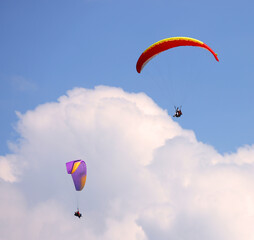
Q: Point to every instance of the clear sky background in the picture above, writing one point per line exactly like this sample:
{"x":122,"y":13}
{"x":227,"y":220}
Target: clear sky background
{"x":69,"y":90}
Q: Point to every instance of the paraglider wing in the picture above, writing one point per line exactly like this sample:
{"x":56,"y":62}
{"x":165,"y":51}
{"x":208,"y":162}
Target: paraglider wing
{"x":78,"y":171}
{"x":166,"y":44}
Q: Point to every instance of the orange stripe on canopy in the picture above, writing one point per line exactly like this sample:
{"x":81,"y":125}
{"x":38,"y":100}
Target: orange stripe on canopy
{"x":166,"y":44}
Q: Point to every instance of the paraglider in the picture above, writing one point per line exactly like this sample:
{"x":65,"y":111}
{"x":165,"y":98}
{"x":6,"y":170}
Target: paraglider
{"x":166,"y":44}
{"x":78,"y":171}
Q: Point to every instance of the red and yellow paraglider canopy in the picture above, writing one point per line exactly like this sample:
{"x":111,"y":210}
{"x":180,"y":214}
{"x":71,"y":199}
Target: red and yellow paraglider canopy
{"x":166,"y":44}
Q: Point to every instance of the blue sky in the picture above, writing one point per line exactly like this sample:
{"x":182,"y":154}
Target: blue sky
{"x":49,"y":47}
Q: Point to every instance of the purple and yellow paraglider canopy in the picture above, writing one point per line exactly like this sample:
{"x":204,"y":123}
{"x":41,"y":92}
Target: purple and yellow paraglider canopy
{"x":78,"y":171}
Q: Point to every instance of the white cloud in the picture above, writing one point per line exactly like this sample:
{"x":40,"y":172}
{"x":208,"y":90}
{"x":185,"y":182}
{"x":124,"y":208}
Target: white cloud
{"x":22,"y":84}
{"x":147,"y":177}
{"x":8,"y":169}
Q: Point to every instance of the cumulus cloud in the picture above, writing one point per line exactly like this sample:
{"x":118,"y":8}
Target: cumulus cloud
{"x":8,"y":171}
{"x":147,"y":177}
